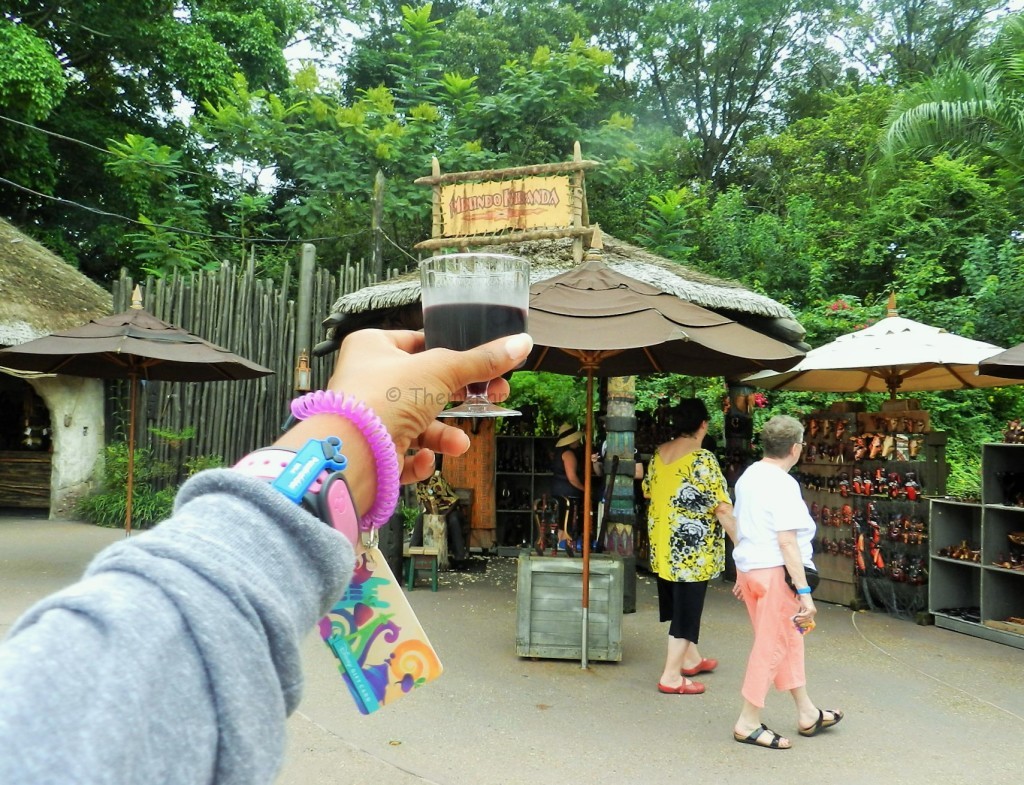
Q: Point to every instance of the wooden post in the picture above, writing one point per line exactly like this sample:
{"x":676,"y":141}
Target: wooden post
{"x":435,"y":535}
{"x":436,"y":214}
{"x":377,"y":261}
{"x":304,"y":304}
{"x":620,"y":427}
{"x":577,"y":205}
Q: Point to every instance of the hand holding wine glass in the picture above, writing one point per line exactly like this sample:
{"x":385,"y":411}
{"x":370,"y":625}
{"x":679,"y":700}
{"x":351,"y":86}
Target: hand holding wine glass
{"x":468,"y":300}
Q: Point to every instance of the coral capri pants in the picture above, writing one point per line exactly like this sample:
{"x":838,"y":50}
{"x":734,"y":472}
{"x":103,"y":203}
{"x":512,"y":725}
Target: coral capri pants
{"x":777,"y":658}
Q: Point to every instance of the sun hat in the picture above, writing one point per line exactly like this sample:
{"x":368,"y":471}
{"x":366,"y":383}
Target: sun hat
{"x":568,"y":434}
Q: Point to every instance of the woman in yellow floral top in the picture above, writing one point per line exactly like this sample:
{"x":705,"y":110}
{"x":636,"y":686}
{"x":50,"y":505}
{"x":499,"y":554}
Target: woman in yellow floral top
{"x":689,"y":509}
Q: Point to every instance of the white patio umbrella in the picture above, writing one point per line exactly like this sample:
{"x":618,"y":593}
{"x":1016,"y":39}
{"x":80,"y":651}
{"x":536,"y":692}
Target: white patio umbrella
{"x":894,"y":354}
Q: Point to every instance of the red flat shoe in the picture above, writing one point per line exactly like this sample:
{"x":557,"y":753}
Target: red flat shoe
{"x":704,"y":666}
{"x":693,"y":688}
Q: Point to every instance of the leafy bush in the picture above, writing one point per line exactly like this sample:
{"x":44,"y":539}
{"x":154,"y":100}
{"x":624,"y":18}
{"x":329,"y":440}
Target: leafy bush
{"x":409,"y":515}
{"x":108,"y":507}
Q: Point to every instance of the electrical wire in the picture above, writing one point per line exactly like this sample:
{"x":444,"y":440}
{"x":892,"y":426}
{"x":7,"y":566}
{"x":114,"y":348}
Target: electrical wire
{"x":400,"y":248}
{"x":160,"y":167}
{"x":176,"y":229}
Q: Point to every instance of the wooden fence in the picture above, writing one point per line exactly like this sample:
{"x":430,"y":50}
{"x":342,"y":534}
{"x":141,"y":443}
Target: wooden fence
{"x":251,"y":317}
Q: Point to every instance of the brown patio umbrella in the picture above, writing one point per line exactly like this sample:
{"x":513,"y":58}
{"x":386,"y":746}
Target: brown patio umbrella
{"x":598,"y":321}
{"x":1008,"y":364}
{"x":132,"y":345}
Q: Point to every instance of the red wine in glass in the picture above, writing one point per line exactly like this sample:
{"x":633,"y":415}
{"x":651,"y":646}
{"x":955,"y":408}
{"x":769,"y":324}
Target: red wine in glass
{"x":468,"y":300}
{"x":465,"y":325}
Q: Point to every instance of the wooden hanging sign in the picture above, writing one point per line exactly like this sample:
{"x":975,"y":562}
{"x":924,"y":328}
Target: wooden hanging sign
{"x":523,"y":203}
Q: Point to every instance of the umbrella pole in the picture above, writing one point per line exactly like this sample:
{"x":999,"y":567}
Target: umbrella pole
{"x":589,"y":442}
{"x":133,"y":384}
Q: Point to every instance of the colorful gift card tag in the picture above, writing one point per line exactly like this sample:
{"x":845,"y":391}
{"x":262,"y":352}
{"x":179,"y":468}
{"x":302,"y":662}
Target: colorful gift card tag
{"x":382,"y":650}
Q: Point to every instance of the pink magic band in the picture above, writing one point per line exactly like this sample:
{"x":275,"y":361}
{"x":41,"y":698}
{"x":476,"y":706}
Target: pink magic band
{"x":385,"y":456}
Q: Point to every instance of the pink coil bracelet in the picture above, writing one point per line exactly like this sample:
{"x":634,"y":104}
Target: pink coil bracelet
{"x":385,"y":457}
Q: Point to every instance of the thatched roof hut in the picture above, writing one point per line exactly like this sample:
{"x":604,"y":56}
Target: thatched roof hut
{"x":396,"y":302}
{"x":40,"y":293}
{"x":51,"y":427}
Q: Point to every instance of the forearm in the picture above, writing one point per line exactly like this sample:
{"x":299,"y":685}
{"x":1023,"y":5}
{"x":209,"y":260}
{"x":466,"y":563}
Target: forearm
{"x":362,"y":480}
{"x":794,"y":564}
{"x":724,"y":513}
{"x":186,"y":637}
{"x":793,"y":561}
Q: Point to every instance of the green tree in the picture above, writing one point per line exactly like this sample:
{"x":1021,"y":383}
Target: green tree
{"x":966,"y":109}
{"x":712,"y":69}
{"x":901,"y":41}
{"x":325,"y":150}
{"x":126,"y":66}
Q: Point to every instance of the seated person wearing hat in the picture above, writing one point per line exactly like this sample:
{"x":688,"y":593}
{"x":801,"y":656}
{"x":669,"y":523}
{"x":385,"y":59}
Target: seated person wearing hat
{"x":567,"y":482}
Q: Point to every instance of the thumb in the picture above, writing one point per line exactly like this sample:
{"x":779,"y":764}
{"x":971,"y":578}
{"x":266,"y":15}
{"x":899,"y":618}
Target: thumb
{"x":491,"y":360}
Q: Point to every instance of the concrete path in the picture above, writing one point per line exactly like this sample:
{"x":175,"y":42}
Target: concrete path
{"x":923,"y":705}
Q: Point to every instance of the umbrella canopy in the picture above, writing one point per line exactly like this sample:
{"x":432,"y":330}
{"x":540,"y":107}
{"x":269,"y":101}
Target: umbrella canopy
{"x":131,"y":345}
{"x":894,"y":354}
{"x":1009,"y":364}
{"x":599,"y":321}
{"x":395,"y":302}
{"x":636,"y":328}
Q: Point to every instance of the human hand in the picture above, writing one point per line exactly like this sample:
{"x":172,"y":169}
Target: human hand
{"x":406,"y":387}
{"x":737,"y":592}
{"x":807,"y":611}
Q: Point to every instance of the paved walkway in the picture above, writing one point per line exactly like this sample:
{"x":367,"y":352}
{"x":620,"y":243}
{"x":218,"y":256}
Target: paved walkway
{"x":923,"y":705}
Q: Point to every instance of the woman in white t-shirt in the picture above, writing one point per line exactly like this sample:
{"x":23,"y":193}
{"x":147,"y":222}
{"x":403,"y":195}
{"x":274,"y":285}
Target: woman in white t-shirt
{"x":774,"y":534}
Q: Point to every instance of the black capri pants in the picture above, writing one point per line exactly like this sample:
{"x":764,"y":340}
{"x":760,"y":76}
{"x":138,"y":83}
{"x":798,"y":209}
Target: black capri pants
{"x":682,"y":604}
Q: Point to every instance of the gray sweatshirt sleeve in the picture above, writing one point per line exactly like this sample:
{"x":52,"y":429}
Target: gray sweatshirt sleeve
{"x":176,"y":658}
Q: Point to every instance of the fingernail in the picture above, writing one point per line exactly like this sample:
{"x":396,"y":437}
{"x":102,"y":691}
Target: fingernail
{"x":519,"y":346}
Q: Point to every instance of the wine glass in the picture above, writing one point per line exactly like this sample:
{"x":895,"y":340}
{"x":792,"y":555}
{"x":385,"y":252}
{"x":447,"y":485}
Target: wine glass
{"x":468,"y":300}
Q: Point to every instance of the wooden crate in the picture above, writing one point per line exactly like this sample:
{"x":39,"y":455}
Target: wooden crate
{"x":549,"y":613}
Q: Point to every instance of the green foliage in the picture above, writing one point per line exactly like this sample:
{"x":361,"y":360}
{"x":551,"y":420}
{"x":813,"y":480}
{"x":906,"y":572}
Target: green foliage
{"x":409,"y":516}
{"x":150,"y":502}
{"x":826,"y":321}
{"x":201,"y":463}
{"x":106,"y":70}
{"x":558,"y":398}
{"x":32,"y":81}
{"x":665,"y":228}
{"x":108,"y":506}
{"x":174,"y":438}
{"x":994,"y":282}
{"x":711,"y":70}
{"x":900,"y":41}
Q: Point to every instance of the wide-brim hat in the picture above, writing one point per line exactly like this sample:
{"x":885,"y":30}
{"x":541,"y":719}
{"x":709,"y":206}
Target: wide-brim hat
{"x":568,"y":434}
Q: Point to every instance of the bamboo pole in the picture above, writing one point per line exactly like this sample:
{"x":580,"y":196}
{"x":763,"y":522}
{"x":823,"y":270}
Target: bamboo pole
{"x":507,"y":174}
{"x":502,"y":239}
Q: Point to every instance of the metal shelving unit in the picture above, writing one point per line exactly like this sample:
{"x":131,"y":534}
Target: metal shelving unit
{"x":973,"y":595}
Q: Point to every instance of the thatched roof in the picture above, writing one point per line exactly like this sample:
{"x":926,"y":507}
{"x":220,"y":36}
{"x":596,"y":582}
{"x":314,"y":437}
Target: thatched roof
{"x":40,"y":293}
{"x":548,"y":258}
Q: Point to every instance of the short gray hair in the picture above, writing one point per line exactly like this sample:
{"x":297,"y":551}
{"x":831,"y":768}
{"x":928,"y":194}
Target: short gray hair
{"x":779,"y":434}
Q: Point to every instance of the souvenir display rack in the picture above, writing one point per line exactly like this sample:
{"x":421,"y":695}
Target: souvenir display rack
{"x":977,"y":553}
{"x":865,"y":476}
{"x":522,"y":475}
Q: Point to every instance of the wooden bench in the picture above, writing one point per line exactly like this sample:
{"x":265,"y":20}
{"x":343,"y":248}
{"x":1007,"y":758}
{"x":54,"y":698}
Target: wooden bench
{"x":420,"y":559}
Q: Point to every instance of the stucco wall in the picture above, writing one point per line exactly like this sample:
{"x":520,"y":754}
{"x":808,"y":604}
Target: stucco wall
{"x":76,"y":420}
